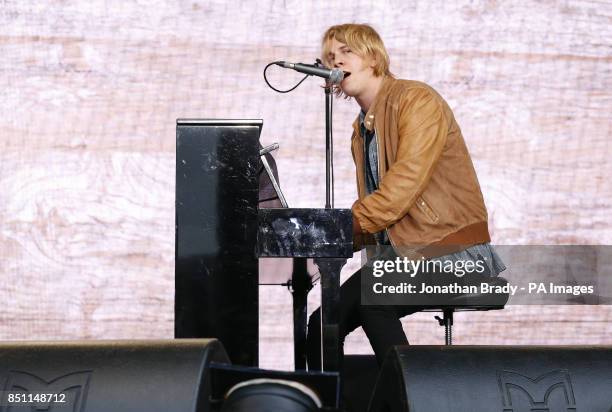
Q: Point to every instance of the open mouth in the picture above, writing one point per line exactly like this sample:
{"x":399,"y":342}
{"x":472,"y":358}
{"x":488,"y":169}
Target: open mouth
{"x":347,"y":74}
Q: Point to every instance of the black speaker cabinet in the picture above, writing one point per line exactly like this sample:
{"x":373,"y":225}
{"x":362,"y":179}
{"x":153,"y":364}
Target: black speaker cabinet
{"x":103,"y":376}
{"x":491,"y":379}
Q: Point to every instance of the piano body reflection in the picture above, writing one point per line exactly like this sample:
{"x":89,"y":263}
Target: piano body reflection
{"x":221,"y":231}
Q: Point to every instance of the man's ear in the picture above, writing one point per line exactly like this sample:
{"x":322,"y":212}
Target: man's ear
{"x":373,"y":61}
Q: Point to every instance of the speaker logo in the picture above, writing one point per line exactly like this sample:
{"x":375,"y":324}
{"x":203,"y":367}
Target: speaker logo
{"x":537,"y":390}
{"x":67,"y":392}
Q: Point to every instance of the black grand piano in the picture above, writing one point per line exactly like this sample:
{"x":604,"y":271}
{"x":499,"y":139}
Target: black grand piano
{"x":223,"y":177}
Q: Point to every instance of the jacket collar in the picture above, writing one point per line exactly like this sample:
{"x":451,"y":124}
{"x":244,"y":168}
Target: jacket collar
{"x":371,"y":115}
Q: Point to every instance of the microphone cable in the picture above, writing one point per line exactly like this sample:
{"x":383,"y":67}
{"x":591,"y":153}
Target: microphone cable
{"x":275,"y":89}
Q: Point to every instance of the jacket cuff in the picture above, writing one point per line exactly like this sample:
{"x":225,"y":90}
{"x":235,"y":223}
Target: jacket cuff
{"x":359,"y":222}
{"x":365,"y":224}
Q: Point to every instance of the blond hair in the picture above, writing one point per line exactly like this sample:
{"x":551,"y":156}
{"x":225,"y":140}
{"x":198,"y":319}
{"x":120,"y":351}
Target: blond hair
{"x":361,"y":39}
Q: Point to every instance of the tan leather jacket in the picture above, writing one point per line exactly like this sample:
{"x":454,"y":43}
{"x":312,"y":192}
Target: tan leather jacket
{"x":428,"y":192}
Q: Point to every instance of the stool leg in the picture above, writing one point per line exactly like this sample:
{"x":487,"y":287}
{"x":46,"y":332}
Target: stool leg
{"x":447,"y":322}
{"x":448,"y":326}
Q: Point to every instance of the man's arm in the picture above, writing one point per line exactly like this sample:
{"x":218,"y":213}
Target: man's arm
{"x":423,"y":130}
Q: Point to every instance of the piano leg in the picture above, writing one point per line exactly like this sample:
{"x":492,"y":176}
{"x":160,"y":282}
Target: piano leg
{"x":330,"y":303}
{"x":301,"y":284}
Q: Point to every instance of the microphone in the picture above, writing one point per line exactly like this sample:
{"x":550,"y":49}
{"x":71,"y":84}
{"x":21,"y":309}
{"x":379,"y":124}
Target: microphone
{"x":334,"y":76}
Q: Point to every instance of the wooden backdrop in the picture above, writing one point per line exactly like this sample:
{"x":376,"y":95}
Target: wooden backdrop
{"x":89,"y":95}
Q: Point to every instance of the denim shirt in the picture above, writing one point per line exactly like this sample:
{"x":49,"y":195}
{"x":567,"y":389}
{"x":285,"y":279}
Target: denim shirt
{"x":371,"y":168}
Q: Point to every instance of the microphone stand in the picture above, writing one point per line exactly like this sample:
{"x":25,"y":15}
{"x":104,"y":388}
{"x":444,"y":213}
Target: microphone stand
{"x":328,"y":148}
{"x":329,"y":268}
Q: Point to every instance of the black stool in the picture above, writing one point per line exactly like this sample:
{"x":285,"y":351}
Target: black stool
{"x":447,"y":317}
{"x":475,"y":302}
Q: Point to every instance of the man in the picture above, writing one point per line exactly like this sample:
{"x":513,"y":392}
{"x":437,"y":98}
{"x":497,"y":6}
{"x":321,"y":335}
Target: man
{"x":416,"y":184}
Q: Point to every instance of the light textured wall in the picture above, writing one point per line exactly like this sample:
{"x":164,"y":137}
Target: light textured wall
{"x":89,"y":94}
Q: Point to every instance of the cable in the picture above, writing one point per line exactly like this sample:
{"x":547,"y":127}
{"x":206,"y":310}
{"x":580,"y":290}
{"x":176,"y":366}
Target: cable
{"x":314,"y":278}
{"x":275,"y":89}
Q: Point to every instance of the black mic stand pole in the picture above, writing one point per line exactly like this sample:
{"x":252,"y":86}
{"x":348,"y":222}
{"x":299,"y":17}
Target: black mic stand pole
{"x":328,"y":146}
{"x":330,"y":268}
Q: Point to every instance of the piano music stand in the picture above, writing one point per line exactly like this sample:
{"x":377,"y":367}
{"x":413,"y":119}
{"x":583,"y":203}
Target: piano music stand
{"x":263,"y":151}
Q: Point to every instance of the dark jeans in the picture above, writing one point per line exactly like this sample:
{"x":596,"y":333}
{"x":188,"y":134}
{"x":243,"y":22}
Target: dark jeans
{"x":381,"y":324}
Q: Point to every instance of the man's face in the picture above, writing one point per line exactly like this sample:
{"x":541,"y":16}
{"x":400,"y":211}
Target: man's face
{"x":358,"y":71}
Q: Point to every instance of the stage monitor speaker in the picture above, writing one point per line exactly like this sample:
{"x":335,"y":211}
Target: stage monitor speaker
{"x":102,"y":376}
{"x":495,"y":378}
{"x":273,"y":395}
{"x":269,"y":386}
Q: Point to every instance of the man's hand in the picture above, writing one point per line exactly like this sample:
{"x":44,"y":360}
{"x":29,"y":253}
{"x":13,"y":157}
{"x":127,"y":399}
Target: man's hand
{"x":358,"y":238}
{"x":356,"y":227}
